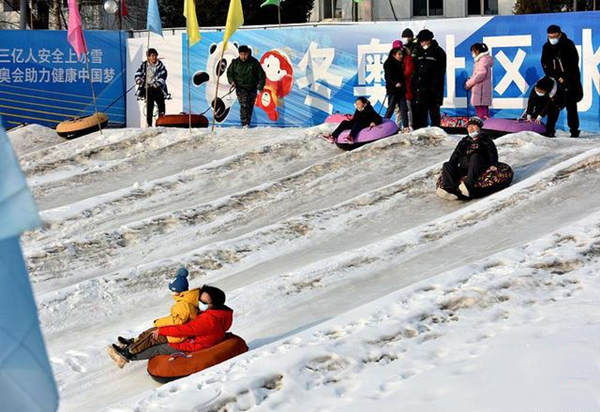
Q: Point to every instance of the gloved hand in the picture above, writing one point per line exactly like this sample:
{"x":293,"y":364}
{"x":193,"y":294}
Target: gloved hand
{"x":138,"y":81}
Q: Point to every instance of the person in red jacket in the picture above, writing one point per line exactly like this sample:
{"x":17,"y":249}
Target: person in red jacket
{"x":205,"y":330}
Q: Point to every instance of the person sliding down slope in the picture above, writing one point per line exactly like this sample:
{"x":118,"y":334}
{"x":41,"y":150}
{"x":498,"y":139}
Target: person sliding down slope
{"x":364,"y":116}
{"x":473,"y":155}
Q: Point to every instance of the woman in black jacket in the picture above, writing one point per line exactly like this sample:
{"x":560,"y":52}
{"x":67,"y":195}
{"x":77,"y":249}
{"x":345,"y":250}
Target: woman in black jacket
{"x":364,"y":116}
{"x":395,"y":86}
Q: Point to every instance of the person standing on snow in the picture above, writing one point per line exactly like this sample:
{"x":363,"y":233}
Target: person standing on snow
{"x":247,"y":76}
{"x":151,"y":78}
{"x":428,"y":80}
{"x":396,"y":86}
{"x":473,"y":155}
{"x":480,"y":82}
{"x":560,"y":61}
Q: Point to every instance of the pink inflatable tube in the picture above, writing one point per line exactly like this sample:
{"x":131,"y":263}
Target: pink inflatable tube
{"x":367,"y":135}
{"x":495,"y":126}
{"x":337,"y":118}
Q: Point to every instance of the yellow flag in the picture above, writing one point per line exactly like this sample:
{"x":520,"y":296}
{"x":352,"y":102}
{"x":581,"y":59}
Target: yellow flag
{"x":235,"y":18}
{"x":189,"y":11}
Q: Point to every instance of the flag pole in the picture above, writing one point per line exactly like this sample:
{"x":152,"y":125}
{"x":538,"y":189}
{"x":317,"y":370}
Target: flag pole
{"x":279,"y":13}
{"x":217,"y":87}
{"x":189,"y":85}
{"x":146,"y":80}
{"x":87,"y":61}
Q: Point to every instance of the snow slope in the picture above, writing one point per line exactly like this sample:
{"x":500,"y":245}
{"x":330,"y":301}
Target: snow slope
{"x":353,"y":284}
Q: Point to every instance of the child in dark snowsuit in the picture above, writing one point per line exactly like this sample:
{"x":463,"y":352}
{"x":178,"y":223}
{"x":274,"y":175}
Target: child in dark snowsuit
{"x":546,"y":99}
{"x":364,"y":116}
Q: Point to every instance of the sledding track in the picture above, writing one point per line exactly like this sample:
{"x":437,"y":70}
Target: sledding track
{"x":281,"y":220}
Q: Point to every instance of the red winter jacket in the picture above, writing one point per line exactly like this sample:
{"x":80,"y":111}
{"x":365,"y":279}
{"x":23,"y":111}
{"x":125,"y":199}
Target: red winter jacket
{"x":409,"y":68}
{"x":205,"y":330}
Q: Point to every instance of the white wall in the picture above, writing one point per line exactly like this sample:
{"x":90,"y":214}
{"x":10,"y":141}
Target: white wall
{"x":506,"y":6}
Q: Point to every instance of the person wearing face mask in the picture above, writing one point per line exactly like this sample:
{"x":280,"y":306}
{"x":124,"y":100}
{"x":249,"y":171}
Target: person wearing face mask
{"x":428,"y":80}
{"x":364,"y":116}
{"x":560,"y":60}
{"x":408,"y":40}
{"x":480,"y":82}
{"x":546,"y":99}
{"x":396,"y":87}
{"x":473,"y":155}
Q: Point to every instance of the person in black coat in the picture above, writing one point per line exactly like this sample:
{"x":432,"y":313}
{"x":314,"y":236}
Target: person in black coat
{"x":560,"y":61}
{"x":546,"y":99}
{"x":428,"y":80}
{"x":394,"y":85}
{"x":473,"y":155}
{"x":364,"y":116}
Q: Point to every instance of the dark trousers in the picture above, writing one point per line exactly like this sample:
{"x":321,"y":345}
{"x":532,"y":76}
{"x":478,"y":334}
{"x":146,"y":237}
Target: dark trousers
{"x":145,"y":341}
{"x":452,"y":175}
{"x":246,"y":99}
{"x":573,"y":117}
{"x":162,"y":349}
{"x":345,"y":125}
{"x":552,"y":114}
{"x":400,"y":101}
{"x":155,"y":94}
{"x":420,"y":112}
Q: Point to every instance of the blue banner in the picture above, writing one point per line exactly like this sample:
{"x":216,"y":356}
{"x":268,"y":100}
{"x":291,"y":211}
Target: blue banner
{"x":42,"y":81}
{"x":315,"y":71}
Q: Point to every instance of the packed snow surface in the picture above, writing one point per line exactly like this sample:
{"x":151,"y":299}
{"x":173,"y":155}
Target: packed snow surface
{"x":355,"y":287}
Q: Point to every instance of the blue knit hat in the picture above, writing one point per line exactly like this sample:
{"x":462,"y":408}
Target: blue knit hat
{"x":180,"y":284}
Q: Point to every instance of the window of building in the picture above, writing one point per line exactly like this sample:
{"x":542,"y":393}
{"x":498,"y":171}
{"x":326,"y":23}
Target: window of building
{"x":481,"y":7}
{"x":426,"y":8}
{"x":332,"y":9}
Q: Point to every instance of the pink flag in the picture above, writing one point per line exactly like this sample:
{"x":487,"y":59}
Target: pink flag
{"x":75,"y":33}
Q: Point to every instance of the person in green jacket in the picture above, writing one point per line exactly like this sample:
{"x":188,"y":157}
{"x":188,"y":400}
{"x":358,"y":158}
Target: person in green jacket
{"x":247,"y":76}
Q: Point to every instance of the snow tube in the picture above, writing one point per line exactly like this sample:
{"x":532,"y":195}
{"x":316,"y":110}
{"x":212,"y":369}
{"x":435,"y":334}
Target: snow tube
{"x":337,"y":118}
{"x":367,"y":135}
{"x":496,"y":127}
{"x":165,"y":368}
{"x":80,"y":126}
{"x":181,"y":120}
{"x":494,"y":179}
{"x":454,"y":124}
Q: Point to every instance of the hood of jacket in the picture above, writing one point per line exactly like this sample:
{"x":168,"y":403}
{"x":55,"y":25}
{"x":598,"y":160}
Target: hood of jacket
{"x":189,"y":296}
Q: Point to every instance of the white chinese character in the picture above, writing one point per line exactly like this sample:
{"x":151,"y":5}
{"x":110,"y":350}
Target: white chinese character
{"x":58,"y":75}
{"x":96,"y":75}
{"x":57,"y":56}
{"x":4,"y":56}
{"x":315,"y":64}
{"x":31,"y":75}
{"x":17,"y":75}
{"x":96,"y":56}
{"x":4,"y":75}
{"x":17,"y":56}
{"x":371,"y":76}
{"x":70,"y":75}
{"x":590,"y":73}
{"x":30,"y":57}
{"x":512,"y":68}
{"x":83,"y":75}
{"x":44,"y":75}
{"x":109,"y":75}
{"x":44,"y":56}
{"x":72,"y":57}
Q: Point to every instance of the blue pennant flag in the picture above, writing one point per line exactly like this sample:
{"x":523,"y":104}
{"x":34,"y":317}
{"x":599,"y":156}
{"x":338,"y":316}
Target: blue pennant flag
{"x":153,"y":22}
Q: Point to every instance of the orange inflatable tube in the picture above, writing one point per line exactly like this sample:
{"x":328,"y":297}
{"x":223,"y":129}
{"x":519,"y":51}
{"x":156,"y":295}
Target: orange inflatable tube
{"x":165,"y":368}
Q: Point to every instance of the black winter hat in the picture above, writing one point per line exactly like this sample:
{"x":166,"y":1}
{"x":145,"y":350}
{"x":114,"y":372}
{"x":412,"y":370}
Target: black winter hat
{"x":408,"y":33}
{"x":425,"y":35}
{"x":545,"y":83}
{"x":216,"y":295}
{"x":244,"y":49}
{"x":476,"y":121}
{"x":553,"y":28}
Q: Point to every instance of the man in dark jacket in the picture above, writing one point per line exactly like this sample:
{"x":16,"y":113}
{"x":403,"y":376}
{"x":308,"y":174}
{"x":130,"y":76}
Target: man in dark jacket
{"x":151,"y":78}
{"x":546,"y":99}
{"x":428,"y":80}
{"x":471,"y":157}
{"x":247,"y":76}
{"x":560,"y":61}
{"x":408,"y":40}
{"x":364,"y":116}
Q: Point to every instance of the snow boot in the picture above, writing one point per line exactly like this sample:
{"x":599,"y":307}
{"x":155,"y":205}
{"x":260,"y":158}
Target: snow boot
{"x":463,"y":189}
{"x":124,"y":342}
{"x":445,"y":194}
{"x":115,"y":355}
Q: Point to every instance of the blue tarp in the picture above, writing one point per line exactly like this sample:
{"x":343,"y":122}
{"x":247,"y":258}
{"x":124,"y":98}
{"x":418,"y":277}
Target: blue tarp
{"x":26,"y":379}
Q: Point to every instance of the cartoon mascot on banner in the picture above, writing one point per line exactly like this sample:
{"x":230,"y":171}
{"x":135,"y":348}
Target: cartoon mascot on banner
{"x":279,"y":80}
{"x":225,"y":96}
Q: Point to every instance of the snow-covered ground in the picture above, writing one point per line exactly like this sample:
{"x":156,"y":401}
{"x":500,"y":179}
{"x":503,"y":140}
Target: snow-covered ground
{"x":354,"y":286}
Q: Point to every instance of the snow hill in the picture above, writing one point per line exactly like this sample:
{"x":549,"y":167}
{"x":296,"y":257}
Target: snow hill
{"x":355,"y":287}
